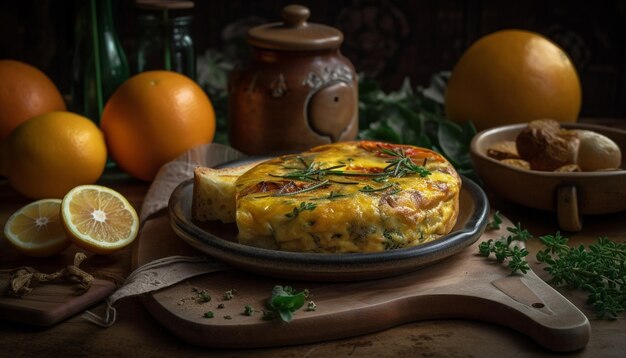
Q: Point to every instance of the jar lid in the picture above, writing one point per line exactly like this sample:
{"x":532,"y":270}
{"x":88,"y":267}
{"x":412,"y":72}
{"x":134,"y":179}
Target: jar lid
{"x":295,"y":33}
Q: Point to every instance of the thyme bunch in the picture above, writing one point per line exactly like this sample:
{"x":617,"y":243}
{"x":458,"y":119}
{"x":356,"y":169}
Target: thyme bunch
{"x":598,"y":269}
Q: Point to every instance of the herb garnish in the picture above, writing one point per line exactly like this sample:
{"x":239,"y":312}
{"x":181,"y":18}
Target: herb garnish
{"x":208,"y":314}
{"x":502,"y":249}
{"x":248,"y":310}
{"x":303,"y":206}
{"x":334,"y":195}
{"x":304,"y":190}
{"x":283,"y":303}
{"x":495,"y":222}
{"x":311,"y":171}
{"x":599,"y":269}
{"x":369,"y":189}
{"x":402,"y":165}
{"x":204,"y":296}
{"x":311,"y":306}
{"x":229,"y":295}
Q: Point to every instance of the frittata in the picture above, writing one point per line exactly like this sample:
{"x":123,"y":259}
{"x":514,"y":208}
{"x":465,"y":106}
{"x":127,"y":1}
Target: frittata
{"x":348,"y":197}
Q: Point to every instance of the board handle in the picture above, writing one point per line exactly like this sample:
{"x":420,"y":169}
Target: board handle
{"x":526,"y":304}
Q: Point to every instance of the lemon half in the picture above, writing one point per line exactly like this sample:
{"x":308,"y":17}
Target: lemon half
{"x":99,"y":219}
{"x":36,"y":229}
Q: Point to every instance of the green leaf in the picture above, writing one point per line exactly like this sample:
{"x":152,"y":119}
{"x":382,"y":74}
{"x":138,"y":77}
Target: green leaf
{"x":285,"y":301}
{"x":410,"y":116}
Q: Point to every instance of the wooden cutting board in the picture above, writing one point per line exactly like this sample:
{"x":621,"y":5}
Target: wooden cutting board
{"x":463,"y":286}
{"x":51,"y":303}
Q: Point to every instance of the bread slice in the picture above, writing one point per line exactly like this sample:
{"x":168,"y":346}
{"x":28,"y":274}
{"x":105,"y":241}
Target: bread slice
{"x":214,"y":192}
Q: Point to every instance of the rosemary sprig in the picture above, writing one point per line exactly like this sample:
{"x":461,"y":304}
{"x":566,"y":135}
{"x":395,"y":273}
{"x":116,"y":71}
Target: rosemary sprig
{"x":401,"y":165}
{"x":369,"y":189}
{"x":310,"y":172}
{"x":304,"y":190}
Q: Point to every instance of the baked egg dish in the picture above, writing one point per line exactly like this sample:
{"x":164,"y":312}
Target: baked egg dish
{"x":348,"y":197}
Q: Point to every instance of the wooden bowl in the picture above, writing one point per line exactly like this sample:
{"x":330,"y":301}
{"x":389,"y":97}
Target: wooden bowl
{"x":569,"y":194}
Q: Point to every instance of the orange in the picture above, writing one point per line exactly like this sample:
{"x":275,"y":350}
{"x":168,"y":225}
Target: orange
{"x":25,"y":92}
{"x":48,"y":155}
{"x":513,"y":76}
{"x":36,"y":229}
{"x":99,"y":219}
{"x":154,"y":117}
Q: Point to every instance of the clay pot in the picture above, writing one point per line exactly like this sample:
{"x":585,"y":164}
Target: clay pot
{"x":296,"y":91}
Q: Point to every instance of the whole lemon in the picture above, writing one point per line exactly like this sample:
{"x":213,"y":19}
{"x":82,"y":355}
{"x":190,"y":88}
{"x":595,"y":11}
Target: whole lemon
{"x":49,"y":154}
{"x":513,"y":76}
{"x":154,"y":117}
{"x":25,"y":92}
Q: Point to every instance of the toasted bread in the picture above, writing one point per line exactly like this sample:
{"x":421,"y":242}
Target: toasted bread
{"x":214,"y":192}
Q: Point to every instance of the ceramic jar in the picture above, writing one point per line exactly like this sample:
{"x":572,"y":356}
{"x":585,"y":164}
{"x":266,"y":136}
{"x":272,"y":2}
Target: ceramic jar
{"x":297,"y":90}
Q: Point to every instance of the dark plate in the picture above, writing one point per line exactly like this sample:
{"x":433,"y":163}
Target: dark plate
{"x":219,"y":241}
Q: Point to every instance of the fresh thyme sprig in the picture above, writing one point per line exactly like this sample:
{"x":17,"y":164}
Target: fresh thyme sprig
{"x":496,"y":221}
{"x":401,"y":165}
{"x":599,"y":269}
{"x":503,"y":250}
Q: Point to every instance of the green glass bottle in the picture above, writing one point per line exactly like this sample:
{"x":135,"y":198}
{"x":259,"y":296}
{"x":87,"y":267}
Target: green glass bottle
{"x":100,"y":64}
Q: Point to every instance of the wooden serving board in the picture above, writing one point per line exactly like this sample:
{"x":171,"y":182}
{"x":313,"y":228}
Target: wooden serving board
{"x":464,"y":286}
{"x":51,"y":303}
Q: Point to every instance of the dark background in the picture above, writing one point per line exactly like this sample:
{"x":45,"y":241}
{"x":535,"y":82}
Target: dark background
{"x":388,"y":40}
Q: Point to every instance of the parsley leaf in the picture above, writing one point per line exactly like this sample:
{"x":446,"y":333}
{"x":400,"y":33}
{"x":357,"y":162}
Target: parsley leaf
{"x":283,"y":303}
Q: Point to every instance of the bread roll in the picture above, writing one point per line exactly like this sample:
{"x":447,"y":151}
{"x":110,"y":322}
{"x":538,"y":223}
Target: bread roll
{"x":597,"y":152}
{"x":546,"y":146}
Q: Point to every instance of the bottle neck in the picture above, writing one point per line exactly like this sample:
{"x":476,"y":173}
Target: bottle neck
{"x":105,"y":15}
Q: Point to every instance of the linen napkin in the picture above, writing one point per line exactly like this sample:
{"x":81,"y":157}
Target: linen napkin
{"x":168,"y":271}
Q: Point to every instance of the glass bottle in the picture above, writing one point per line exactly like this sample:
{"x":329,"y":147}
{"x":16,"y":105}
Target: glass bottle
{"x":100,"y":64}
{"x":165,"y":44}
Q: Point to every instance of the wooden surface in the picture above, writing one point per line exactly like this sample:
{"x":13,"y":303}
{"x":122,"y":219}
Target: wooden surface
{"x":137,"y":333}
{"x":462,"y":286}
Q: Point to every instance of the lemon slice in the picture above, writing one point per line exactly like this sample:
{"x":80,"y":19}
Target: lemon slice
{"x":36,"y":229}
{"x":99,"y":219}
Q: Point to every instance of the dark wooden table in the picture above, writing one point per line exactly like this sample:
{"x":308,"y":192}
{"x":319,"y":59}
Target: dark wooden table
{"x":136,"y":332}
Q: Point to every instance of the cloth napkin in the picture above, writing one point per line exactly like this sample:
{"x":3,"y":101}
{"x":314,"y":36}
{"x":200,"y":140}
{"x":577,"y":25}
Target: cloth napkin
{"x":168,"y":271}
